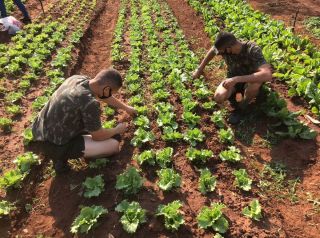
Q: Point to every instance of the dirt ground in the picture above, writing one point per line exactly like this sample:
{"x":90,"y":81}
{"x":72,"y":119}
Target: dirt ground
{"x":56,"y":200}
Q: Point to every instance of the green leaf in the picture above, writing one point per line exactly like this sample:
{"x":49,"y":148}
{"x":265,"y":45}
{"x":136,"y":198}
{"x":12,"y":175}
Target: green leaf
{"x":129,"y":181}
{"x":198,"y":156}
{"x":147,"y":156}
{"x":207,"y":182}
{"x":232,"y":154}
{"x":173,"y":218}
{"x":93,"y":186}
{"x":242,"y":179}
{"x":26,"y":160}
{"x":164,"y":157}
{"x":168,"y":179}
{"x":133,"y":215}
{"x":6,"y":207}
{"x":87,"y":219}
{"x":253,"y":210}
{"x":212,"y":217}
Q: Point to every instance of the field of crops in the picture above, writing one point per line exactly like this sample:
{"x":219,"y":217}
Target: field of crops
{"x":182,"y":171}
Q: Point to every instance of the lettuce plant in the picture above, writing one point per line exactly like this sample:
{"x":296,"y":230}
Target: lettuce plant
{"x":164,"y":157}
{"x":142,"y":136}
{"x":93,"y":186}
{"x":226,"y":136}
{"x":173,"y":218}
{"x":193,"y":136}
{"x":198,"y":156}
{"x":232,"y":154}
{"x":212,"y":217}
{"x":6,"y":207}
{"x":26,"y":160}
{"x":242,"y":179}
{"x":253,"y":210}
{"x":146,"y":157}
{"x":168,"y":179}
{"x":133,"y":215}
{"x":87,"y":219}
{"x":207,"y":182}
{"x":130,"y":181}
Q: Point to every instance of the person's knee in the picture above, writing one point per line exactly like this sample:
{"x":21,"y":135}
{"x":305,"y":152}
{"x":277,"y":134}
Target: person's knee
{"x":219,"y":97}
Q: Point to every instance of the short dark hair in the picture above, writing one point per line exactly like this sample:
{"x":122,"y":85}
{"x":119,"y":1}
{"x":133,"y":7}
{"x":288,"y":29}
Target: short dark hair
{"x":109,"y":76}
{"x":224,"y":39}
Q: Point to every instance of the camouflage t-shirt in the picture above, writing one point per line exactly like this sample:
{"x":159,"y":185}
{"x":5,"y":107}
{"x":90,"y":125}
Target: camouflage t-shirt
{"x":245,"y":63}
{"x":71,"y":110}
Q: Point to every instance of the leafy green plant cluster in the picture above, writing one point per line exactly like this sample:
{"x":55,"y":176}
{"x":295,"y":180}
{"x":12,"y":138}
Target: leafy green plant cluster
{"x":130,"y":181}
{"x":6,"y":207}
{"x":212,"y":217}
{"x":133,"y":215}
{"x":231,"y":155}
{"x":207,"y":182}
{"x":242,"y":179}
{"x":171,"y":213}
{"x":168,"y":179}
{"x":198,"y":156}
{"x":87,"y":219}
{"x":14,"y":177}
{"x":253,"y":211}
{"x":93,"y":187}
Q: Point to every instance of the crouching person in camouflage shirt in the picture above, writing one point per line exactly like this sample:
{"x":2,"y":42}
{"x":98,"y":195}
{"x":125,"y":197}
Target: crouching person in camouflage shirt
{"x":69,"y":125}
{"x":247,"y":71}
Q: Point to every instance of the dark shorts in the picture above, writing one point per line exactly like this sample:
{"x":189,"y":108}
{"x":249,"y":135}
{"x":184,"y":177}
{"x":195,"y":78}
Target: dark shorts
{"x":74,"y":149}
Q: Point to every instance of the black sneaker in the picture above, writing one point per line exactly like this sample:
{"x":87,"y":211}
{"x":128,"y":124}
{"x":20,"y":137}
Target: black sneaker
{"x":61,"y":167}
{"x":26,"y":20}
{"x":235,"y":118}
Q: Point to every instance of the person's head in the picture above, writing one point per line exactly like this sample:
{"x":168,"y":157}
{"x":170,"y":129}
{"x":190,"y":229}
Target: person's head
{"x":106,"y":83}
{"x":227,"y":43}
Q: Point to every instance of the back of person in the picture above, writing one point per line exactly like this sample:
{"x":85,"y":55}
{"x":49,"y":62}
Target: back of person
{"x":71,"y":110}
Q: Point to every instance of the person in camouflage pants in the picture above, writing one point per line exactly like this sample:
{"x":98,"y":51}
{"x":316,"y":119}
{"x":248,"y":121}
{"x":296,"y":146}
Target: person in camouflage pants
{"x":69,"y":125}
{"x":247,"y":71}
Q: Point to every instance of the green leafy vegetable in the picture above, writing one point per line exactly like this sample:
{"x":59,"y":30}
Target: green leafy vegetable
{"x":226,"y":136}
{"x":242,"y":179}
{"x":193,"y":136}
{"x":207,"y":182}
{"x":87,"y":219}
{"x":253,"y":210}
{"x":198,"y":156}
{"x":98,"y":163}
{"x":26,"y":160}
{"x":212,"y":217}
{"x":93,"y":186}
{"x":173,"y":218}
{"x":6,"y":207}
{"x":133,"y":215}
{"x":142,"y":136}
{"x":129,"y":181}
{"x":147,"y":156}
{"x":11,"y":179}
{"x":232,"y":154}
{"x":164,"y":157}
{"x":168,"y":179}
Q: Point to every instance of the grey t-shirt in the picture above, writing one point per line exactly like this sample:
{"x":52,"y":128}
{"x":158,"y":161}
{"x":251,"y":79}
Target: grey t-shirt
{"x":71,"y":110}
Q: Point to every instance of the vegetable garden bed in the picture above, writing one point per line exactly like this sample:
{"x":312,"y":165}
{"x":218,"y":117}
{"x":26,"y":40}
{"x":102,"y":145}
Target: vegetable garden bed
{"x":182,"y":171}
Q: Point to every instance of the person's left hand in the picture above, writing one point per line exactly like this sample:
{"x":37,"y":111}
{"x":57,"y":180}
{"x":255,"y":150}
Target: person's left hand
{"x":131,"y":111}
{"x":229,"y":83}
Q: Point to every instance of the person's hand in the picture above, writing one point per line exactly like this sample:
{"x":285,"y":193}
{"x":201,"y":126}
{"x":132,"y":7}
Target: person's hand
{"x":131,"y":111}
{"x":196,"y":74}
{"x":229,"y":83}
{"x":121,"y":128}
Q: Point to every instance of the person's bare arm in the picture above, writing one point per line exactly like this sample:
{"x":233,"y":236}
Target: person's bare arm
{"x":209,"y":56}
{"x":264,"y":74}
{"x":104,"y":134}
{"x":116,"y":103}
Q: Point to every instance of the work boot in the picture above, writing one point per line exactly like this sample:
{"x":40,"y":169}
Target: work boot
{"x":235,"y":117}
{"x":26,"y":20}
{"x":61,"y":166}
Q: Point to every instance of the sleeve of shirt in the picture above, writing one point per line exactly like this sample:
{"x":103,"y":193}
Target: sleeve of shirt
{"x":257,"y":56}
{"x":90,"y":112}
